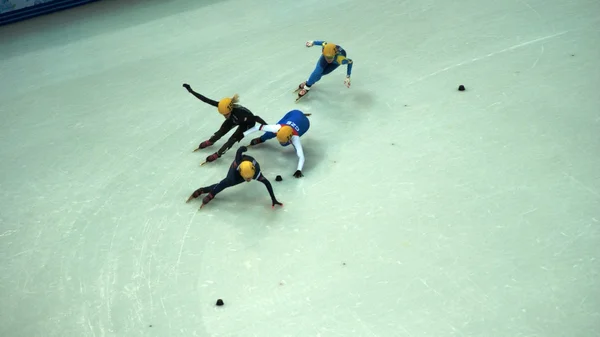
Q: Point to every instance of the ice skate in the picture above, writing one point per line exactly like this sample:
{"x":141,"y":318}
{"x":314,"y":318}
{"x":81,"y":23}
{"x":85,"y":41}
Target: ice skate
{"x":203,"y":145}
{"x":192,"y":197}
{"x":302,"y":90}
{"x":300,"y":87}
{"x":302,"y":93}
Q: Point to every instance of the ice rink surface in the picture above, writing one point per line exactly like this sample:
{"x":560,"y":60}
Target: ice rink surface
{"x":424,"y":211}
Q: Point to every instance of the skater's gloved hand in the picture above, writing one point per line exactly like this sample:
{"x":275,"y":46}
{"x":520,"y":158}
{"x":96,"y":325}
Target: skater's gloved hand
{"x":243,"y":148}
{"x":309,"y":43}
{"x":347,"y":81}
{"x":275,"y":202}
{"x":255,"y":141}
{"x":298,"y":174}
{"x":212,"y":157}
{"x":187,"y":86}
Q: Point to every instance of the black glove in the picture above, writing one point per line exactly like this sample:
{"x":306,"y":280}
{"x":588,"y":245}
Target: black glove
{"x":255,"y":141}
{"x":298,"y":174}
{"x":243,"y":148}
{"x":187,"y":86}
{"x":275,"y":202}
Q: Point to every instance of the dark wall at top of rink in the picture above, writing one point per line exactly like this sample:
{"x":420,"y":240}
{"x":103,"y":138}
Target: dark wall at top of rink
{"x":38,"y":9}
{"x":95,"y":14}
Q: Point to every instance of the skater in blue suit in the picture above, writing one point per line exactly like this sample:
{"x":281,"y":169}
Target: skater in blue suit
{"x":288,"y":131}
{"x":333,"y":56}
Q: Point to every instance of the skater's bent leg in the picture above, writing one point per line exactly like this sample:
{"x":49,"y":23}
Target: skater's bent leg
{"x":225,"y":127}
{"x":236,"y":137}
{"x":317,"y":73}
{"x":219,"y":187}
{"x":228,"y":182}
{"x":233,"y":178}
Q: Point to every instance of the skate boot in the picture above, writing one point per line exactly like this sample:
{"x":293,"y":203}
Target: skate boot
{"x":255,"y":141}
{"x":300,"y":86}
{"x":196,"y":194}
{"x":302,"y":91}
{"x":204,"y":145}
{"x":206,"y":200}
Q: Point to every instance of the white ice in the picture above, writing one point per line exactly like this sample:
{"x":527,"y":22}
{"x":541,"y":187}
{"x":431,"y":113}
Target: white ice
{"x":424,"y":211}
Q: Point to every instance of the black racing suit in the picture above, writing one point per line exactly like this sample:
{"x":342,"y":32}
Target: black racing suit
{"x":241,"y":117}
{"x":234,"y":178}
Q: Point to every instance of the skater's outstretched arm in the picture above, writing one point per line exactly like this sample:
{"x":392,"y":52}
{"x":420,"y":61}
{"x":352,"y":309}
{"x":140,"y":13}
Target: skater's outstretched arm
{"x":200,"y":96}
{"x":349,"y":63}
{"x":299,"y":151}
{"x":267,"y":183}
{"x":239,"y":155}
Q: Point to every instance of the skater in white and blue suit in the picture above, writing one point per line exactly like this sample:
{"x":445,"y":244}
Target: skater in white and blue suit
{"x":332,"y":57}
{"x":288,"y":131}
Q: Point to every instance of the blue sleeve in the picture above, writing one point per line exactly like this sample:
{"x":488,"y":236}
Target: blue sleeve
{"x":349,"y":69}
{"x":318,"y":43}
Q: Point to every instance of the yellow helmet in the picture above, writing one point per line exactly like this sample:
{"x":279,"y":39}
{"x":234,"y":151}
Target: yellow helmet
{"x":329,"y":50}
{"x":226,"y":104}
{"x":285,"y":134}
{"x":247,"y":169}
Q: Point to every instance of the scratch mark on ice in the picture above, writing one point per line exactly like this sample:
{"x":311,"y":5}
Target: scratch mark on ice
{"x":517,"y":46}
{"x":182,"y":244}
